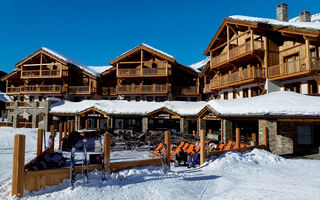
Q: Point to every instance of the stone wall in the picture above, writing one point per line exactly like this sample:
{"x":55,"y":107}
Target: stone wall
{"x":145,"y":124}
{"x":227,"y":130}
{"x":184,"y":125}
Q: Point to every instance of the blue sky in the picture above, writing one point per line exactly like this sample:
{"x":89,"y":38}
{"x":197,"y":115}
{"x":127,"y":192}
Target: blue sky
{"x":95,"y":31}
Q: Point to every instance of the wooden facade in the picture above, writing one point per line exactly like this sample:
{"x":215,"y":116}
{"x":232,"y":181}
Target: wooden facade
{"x":244,"y":54}
{"x":145,"y":73}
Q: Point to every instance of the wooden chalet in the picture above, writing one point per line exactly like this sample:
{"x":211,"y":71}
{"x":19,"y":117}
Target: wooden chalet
{"x":146,"y":73}
{"x":247,"y":51}
{"x":46,"y":73}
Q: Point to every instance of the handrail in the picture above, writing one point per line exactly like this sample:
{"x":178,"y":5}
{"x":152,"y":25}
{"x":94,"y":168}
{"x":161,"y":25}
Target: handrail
{"x":138,"y":89}
{"x":291,"y":67}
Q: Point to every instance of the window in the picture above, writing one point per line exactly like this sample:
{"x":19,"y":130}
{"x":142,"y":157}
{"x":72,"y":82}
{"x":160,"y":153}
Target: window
{"x":292,"y":64}
{"x":40,"y":98}
{"x":294,"y":87}
{"x":149,"y":98}
{"x":225,"y":95}
{"x":245,"y":93}
{"x":256,"y":91}
{"x":304,"y":135}
{"x":138,"y":98}
{"x":160,"y":99}
{"x":30,"y":98}
{"x":194,"y":98}
{"x":181,"y":99}
{"x":312,"y":87}
{"x":127,"y":98}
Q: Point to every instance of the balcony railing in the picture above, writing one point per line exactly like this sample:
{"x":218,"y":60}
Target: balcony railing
{"x":188,"y":90}
{"x":207,"y":88}
{"x":237,"y":51}
{"x":43,"y":73}
{"x":237,"y":77}
{"x":142,"y":89}
{"x":40,"y":89}
{"x":13,"y":90}
{"x":10,"y":105}
{"x":80,"y":90}
{"x":287,"y":68}
{"x":109,"y":91}
{"x":143,"y":72}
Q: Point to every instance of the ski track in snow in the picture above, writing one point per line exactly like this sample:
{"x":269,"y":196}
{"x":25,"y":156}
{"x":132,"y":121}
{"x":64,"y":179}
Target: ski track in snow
{"x":253,"y":175}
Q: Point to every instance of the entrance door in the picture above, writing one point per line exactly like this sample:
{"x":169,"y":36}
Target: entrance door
{"x":92,"y":123}
{"x":304,"y":135}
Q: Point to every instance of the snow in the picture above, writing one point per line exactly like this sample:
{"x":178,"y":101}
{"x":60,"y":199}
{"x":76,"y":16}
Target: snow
{"x":255,"y":174}
{"x":294,"y":23}
{"x":280,"y":103}
{"x":273,"y":103}
{"x":71,"y":61}
{"x":99,"y":69}
{"x":314,"y":18}
{"x":127,"y":107}
{"x":4,"y":97}
{"x":150,"y":47}
{"x":199,"y":66}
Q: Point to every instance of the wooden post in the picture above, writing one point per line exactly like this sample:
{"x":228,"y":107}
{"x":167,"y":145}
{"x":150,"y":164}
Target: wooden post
{"x":39,"y":141}
{"x":98,"y":123}
{"x":60,"y":134}
{"x":86,"y":124}
{"x":308,"y":55}
{"x":265,"y":136}
{"x":254,"y":138}
{"x":237,"y":138}
{"x":107,"y":144}
{"x":72,"y":126}
{"x":210,"y":131}
{"x":69,"y":128}
{"x":167,"y":140}
{"x":65,"y":127}
{"x":18,"y":166}
{"x":52,"y":135}
{"x":202,"y":146}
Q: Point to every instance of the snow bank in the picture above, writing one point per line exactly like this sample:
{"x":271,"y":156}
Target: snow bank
{"x":4,"y":97}
{"x":294,"y":23}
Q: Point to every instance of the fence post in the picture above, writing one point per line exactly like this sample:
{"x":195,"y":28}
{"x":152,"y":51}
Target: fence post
{"x":254,"y":139}
{"x":86,"y":127}
{"x":39,"y":141}
{"x":265,"y":136}
{"x":167,"y":140}
{"x":65,"y":127}
{"x":202,"y":146}
{"x":18,"y":165}
{"x":237,"y":138}
{"x":52,"y":135}
{"x":107,"y":144}
{"x":69,"y":128}
{"x":60,"y":134}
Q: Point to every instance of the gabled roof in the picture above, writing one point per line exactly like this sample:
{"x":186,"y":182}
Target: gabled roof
{"x":293,"y":26}
{"x":200,"y":66}
{"x":15,"y":71}
{"x":62,"y":58}
{"x":146,"y":48}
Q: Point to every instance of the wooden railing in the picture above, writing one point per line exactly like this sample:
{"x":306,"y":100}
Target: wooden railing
{"x":43,"y":73}
{"x":40,"y":89}
{"x":13,"y":90}
{"x":236,"y":77}
{"x":109,"y":91}
{"x":143,"y":72}
{"x":207,"y":88}
{"x":10,"y":105}
{"x":188,"y":90}
{"x":141,"y":89}
{"x":237,"y":51}
{"x":24,"y":125}
{"x":6,"y":124}
{"x":79,"y":90}
{"x":315,"y":63}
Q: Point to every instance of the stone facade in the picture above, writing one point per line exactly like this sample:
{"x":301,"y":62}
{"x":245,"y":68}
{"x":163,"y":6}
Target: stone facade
{"x":280,"y":136}
{"x":145,"y":124}
{"x":184,"y":125}
{"x":227,"y":130}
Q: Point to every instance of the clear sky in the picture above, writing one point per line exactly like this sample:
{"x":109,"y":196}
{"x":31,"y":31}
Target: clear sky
{"x":95,"y":31}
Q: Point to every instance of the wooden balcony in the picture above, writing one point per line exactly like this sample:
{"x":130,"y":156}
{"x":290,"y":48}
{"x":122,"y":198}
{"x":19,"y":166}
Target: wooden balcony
{"x":109,"y":91}
{"x":293,"y":69}
{"x":80,"y":90}
{"x":238,"y":78}
{"x":207,"y":88}
{"x":10,"y":105}
{"x":237,"y":53}
{"x":142,"y":89}
{"x":43,"y":73}
{"x":49,"y":89}
{"x":188,"y":90}
{"x":145,"y":72}
{"x":13,"y":90}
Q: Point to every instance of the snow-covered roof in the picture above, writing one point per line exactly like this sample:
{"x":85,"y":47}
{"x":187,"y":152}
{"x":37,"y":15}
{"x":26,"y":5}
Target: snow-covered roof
{"x":314,"y":18}
{"x":4,"y":97}
{"x":271,"y":104}
{"x":71,"y":61}
{"x":274,"y":104}
{"x":150,"y":47}
{"x":199,"y":66}
{"x":315,"y":25}
{"x":99,"y":69}
{"x":121,"y":107}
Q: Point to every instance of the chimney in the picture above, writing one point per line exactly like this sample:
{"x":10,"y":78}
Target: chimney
{"x":282,"y":12}
{"x":305,"y":16}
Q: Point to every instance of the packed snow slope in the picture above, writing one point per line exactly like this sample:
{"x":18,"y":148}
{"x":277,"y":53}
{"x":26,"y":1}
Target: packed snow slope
{"x":256,"y":174}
